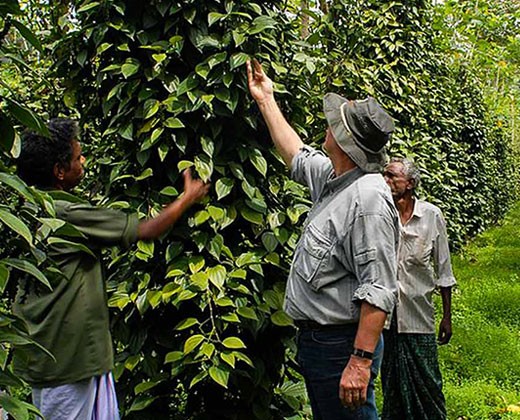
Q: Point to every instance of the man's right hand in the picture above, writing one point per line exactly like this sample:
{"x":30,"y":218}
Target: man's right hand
{"x":260,"y":86}
{"x":194,"y":189}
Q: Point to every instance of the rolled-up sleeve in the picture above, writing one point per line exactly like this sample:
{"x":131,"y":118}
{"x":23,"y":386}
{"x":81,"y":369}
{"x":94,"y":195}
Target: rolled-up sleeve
{"x":373,"y":244}
{"x":441,"y":255}
{"x":102,"y":226}
{"x":311,"y":168}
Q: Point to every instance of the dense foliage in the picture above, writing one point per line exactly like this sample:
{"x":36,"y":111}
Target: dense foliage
{"x":160,"y":86}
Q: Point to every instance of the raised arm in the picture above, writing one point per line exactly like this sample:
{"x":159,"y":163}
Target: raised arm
{"x":194,"y":190}
{"x":285,"y":139}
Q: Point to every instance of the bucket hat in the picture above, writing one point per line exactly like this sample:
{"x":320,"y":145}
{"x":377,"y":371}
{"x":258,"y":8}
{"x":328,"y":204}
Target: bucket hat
{"x":361,"y":128}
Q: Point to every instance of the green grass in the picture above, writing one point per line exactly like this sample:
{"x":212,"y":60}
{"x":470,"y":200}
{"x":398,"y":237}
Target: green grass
{"x":481,"y":365}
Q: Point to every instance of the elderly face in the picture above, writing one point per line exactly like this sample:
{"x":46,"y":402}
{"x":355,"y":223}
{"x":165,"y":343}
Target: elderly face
{"x":330,"y":143}
{"x":397,"y":180}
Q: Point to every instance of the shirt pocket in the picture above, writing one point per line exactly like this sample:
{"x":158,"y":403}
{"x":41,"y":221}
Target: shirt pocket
{"x":313,"y":253}
{"x":366,"y":265}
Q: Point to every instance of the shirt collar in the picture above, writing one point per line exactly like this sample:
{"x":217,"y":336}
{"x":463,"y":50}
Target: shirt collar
{"x":417,"y":208}
{"x":345,"y":179}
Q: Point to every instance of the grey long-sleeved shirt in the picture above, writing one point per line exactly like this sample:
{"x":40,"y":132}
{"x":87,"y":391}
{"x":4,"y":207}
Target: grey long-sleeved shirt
{"x":347,"y":251}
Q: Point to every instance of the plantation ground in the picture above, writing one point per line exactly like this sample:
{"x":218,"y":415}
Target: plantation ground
{"x":481,"y":365}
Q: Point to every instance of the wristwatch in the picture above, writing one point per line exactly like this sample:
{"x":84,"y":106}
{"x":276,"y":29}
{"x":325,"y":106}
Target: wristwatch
{"x":363,"y":354}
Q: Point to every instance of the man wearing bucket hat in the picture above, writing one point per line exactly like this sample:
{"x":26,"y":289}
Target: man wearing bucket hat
{"x":342,"y":282}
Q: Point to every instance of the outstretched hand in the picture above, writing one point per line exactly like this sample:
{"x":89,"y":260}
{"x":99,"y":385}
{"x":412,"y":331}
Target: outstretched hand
{"x":194,"y":189}
{"x":260,"y":86}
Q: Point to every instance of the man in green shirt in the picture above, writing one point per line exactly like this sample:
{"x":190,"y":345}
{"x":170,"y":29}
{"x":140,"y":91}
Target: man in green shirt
{"x":72,"y":320}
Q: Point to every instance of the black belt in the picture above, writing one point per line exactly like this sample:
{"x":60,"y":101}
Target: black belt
{"x":313,"y":325}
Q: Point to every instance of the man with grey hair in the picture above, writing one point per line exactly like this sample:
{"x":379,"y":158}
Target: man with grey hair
{"x":412,"y":382}
{"x":342,"y":282}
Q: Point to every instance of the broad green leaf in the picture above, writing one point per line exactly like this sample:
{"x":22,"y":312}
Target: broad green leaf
{"x":224,"y":301}
{"x":229,"y":358}
{"x":186,"y":323}
{"x":192,"y":343}
{"x":129,"y":69}
{"x":145,"y":386}
{"x":238,"y":60}
{"x":184,"y":164}
{"x":88,"y":6}
{"x":150,"y":108}
{"x":4,"y":277}
{"x":258,"y":161}
{"x":260,"y":24}
{"x":18,"y":409}
{"x":173,"y":356}
{"x":246,"y":312}
{"x":217,"y":275}
{"x":215,"y":17}
{"x":196,"y":263}
{"x":200,"y":280}
{"x":199,"y":377}
{"x":8,"y":133}
{"x":223,"y":187}
{"x":281,"y":319}
{"x":219,"y":375}
{"x":141,"y":402}
{"x":16,"y":225}
{"x":28,"y":268}
{"x":233,"y":343}
{"x":27,"y":117}
{"x":28,"y":35}
{"x":147,"y":173}
{"x":251,"y":215}
{"x":269,"y":241}
{"x":174,"y":123}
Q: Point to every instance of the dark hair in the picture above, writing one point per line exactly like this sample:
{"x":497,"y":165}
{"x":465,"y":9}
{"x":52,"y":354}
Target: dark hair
{"x":39,"y":154}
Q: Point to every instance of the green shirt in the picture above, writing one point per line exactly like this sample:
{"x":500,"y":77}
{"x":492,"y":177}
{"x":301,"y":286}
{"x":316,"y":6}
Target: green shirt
{"x":71,"y":321}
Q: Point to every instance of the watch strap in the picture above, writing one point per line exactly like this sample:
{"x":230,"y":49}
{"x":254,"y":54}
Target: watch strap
{"x":363,"y":354}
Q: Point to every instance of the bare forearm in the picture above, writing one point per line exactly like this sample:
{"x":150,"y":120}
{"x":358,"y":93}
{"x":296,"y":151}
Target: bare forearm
{"x":153,"y":228}
{"x":446,"y":301}
{"x":371,"y":324}
{"x":285,"y":139}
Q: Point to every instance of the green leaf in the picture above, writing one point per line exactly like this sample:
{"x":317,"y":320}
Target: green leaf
{"x":8,"y":133}
{"x":229,"y":358}
{"x":88,"y":6}
{"x":150,"y":108}
{"x":4,"y":277}
{"x":223,"y":187}
{"x":26,"y":117}
{"x":129,"y":69}
{"x":192,"y":343}
{"x":16,"y":225}
{"x":281,"y":319}
{"x":217,"y":275}
{"x":251,"y":215}
{"x":186,"y":323}
{"x":199,"y":377}
{"x":141,"y":402}
{"x":238,"y":60}
{"x":28,"y":35}
{"x":145,"y":386}
{"x":219,"y":375}
{"x":174,"y":123}
{"x":29,"y":268}
{"x":246,"y":312}
{"x":258,"y":161}
{"x":233,"y":343}
{"x":260,"y":24}
{"x":215,"y":17}
{"x":269,"y":241}
{"x":173,"y":356}
{"x":20,"y":410}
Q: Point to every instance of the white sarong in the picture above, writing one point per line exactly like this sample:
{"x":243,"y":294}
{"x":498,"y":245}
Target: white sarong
{"x":91,"y":399}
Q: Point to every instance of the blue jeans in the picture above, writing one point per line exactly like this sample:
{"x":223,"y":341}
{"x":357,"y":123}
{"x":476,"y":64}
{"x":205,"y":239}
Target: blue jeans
{"x":322,"y":356}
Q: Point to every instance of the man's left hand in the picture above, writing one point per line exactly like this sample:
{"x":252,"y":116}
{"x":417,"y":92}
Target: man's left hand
{"x":354,"y":382}
{"x":444,"y":331}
